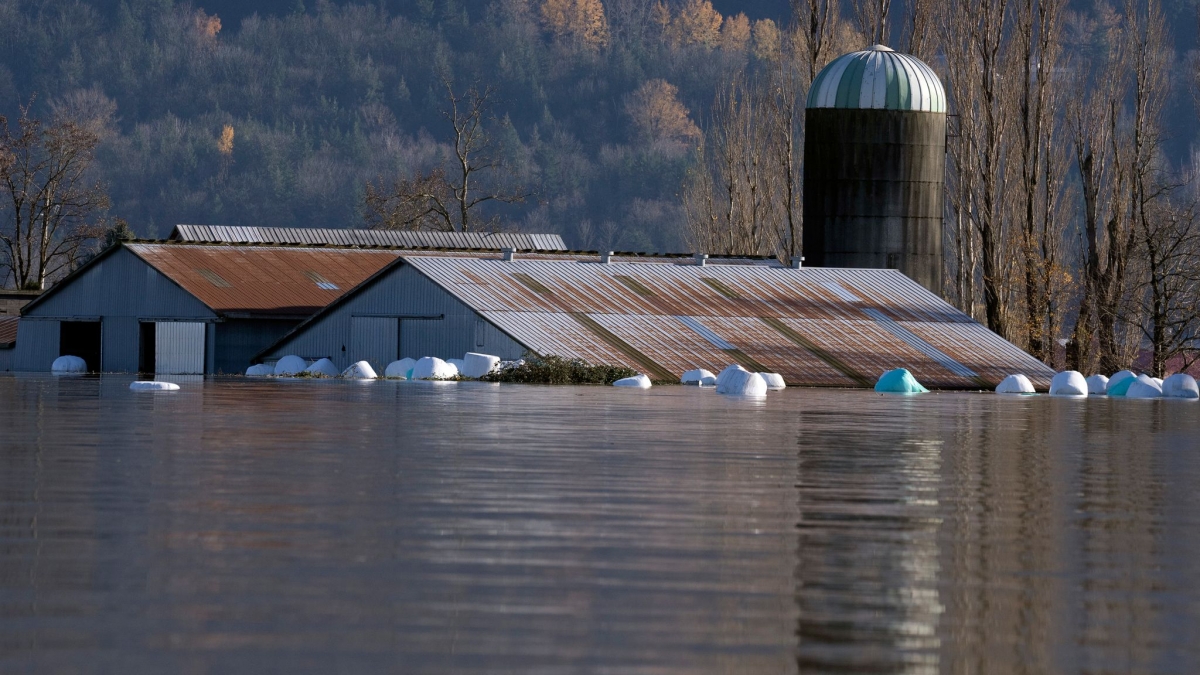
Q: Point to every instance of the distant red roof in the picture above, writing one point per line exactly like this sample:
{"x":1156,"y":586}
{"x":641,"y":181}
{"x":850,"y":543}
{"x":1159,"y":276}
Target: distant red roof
{"x":263,"y":280}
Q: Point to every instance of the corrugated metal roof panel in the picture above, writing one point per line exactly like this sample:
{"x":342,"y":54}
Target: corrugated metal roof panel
{"x":263,"y":280}
{"x":815,"y":326}
{"x":400,"y":238}
{"x":8,"y":329}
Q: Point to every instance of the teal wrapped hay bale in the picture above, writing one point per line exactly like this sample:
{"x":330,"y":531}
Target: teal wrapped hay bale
{"x":899,"y":381}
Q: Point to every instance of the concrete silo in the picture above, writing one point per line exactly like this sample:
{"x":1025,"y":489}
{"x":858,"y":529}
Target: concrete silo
{"x":875,"y":164}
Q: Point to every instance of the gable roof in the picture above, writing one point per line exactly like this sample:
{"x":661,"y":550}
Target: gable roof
{"x":400,"y":238}
{"x":814,"y":326}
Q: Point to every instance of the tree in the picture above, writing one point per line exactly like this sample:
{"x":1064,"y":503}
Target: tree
{"x":697,"y":23}
{"x":50,"y":203}
{"x":581,"y":23}
{"x":659,"y":117}
{"x":735,"y":34}
{"x":443,"y":199}
{"x":871,"y":19}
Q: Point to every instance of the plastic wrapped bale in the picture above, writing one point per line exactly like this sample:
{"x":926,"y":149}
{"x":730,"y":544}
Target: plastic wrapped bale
{"x":1015,"y":384}
{"x":728,"y":372}
{"x":774,"y":381}
{"x":359,"y":371}
{"x":899,"y":381}
{"x":1097,"y":385}
{"x":401,"y":369}
{"x":699,"y":376}
{"x":1119,"y":382}
{"x":260,"y":370}
{"x":1158,"y":381}
{"x":323,"y":368}
{"x":477,"y":365}
{"x":1180,"y":385}
{"x":743,"y":383}
{"x":68,"y":365}
{"x":1143,"y":387}
{"x":433,"y":368}
{"x":636,"y":382}
{"x":1069,"y":384}
{"x":143,"y":385}
{"x":290,"y":365}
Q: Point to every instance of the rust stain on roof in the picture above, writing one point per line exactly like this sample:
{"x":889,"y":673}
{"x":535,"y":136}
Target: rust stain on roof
{"x":8,"y":330}
{"x":814,"y":326}
{"x":264,"y":281}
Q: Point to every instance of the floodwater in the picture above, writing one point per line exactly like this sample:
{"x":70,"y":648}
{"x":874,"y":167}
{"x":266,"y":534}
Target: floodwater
{"x":243,"y":526}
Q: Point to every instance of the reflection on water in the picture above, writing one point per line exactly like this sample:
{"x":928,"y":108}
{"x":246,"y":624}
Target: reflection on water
{"x":249,"y":526}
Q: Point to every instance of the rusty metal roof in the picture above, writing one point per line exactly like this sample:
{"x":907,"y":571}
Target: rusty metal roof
{"x":8,"y":330}
{"x":263,"y":280}
{"x":814,"y":326}
{"x":398,"y":238}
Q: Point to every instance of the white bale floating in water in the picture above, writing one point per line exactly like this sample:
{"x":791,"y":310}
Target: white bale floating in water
{"x":1180,"y":385}
{"x":638,"y":381}
{"x":324,"y":368}
{"x":144,"y":385}
{"x":359,"y":371}
{"x":1144,"y":387}
{"x":290,"y":365}
{"x":727,"y":373}
{"x":457,"y":363}
{"x":1097,"y":385}
{"x":1069,"y":384}
{"x":476,"y":365}
{"x":743,"y":383}
{"x":774,"y":381}
{"x":260,"y":370}
{"x":899,"y":381}
{"x":1158,"y":381}
{"x":433,"y":368}
{"x":65,"y":365}
{"x":699,"y":376}
{"x":400,"y":369}
{"x":1015,"y":384}
{"x":1119,"y":382}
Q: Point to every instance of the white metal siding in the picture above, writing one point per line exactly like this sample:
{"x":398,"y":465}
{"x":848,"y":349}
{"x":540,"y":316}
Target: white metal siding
{"x":179,"y":347}
{"x":374,"y":339}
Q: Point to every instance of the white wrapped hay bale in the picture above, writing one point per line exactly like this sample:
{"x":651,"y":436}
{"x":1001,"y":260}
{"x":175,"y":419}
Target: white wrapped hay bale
{"x":1097,"y":385}
{"x":774,"y":381}
{"x":477,"y":365}
{"x":1144,"y":387}
{"x":699,"y":376}
{"x":68,"y":365}
{"x":1069,"y":384}
{"x":1015,"y":384}
{"x":728,"y":372}
{"x":142,"y":385}
{"x":636,"y":382}
{"x":260,"y":370}
{"x":359,"y":371}
{"x":743,"y":383}
{"x":1180,"y":385}
{"x":399,"y":370}
{"x":433,"y":368}
{"x":290,"y":365}
{"x":323,"y":368}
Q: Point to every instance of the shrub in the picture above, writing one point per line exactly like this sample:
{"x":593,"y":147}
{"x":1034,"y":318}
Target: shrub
{"x":557,"y":370}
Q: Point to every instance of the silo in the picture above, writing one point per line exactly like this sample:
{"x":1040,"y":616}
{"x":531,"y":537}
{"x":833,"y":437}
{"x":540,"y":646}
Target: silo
{"x":874,"y":165}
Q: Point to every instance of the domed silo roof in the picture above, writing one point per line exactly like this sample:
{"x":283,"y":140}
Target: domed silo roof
{"x":878,"y":78}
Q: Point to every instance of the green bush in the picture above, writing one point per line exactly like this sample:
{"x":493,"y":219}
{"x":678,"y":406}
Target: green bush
{"x":557,"y":370}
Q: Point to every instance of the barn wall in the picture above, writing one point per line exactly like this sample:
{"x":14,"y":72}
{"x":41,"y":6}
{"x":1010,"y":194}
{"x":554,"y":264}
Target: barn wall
{"x":236,"y":341}
{"x":37,"y":345}
{"x":431,"y":322}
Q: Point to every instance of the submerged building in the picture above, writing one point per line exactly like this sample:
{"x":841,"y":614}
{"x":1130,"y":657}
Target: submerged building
{"x":874,"y":166}
{"x":660,"y":315}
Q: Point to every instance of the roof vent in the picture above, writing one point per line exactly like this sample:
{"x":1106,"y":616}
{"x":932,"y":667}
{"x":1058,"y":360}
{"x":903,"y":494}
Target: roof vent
{"x":797,"y":262}
{"x":606,"y":257}
{"x":700,"y":259}
{"x":321,"y":282}
{"x":508,"y":253}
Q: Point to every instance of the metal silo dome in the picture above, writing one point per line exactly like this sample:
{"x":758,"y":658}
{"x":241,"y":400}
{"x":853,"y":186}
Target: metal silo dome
{"x":878,"y":78}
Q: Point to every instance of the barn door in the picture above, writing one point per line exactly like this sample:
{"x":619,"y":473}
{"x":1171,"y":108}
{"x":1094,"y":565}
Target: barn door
{"x":373,"y":339}
{"x":179,"y":347}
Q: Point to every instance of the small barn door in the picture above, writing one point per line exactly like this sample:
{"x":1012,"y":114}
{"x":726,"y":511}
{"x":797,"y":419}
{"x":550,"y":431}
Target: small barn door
{"x":82,"y":339}
{"x":373,"y":339}
{"x":179,"y":347}
{"x":422,"y":337}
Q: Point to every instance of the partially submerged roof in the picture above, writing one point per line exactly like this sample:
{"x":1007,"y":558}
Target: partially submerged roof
{"x":263,"y":280}
{"x":8,"y":331}
{"x":399,"y":238}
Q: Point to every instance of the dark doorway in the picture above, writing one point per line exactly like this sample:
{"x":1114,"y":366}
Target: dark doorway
{"x":82,"y":339}
{"x":146,"y":333}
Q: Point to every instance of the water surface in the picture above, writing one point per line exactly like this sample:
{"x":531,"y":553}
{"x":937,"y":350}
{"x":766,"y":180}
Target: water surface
{"x":275,"y":526}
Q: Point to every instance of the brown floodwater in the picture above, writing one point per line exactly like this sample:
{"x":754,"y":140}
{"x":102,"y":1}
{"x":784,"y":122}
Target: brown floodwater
{"x":241,"y":526}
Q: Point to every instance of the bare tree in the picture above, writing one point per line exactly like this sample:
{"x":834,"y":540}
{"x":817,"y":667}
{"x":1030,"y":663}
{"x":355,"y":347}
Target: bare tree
{"x":1169,"y":294}
{"x":871,"y":19}
{"x":449,"y":199}
{"x":816,"y":28}
{"x":50,"y":203}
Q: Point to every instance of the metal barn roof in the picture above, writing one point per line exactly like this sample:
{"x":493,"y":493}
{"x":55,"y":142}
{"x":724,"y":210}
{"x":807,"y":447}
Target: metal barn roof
{"x":878,"y":77}
{"x":814,"y":326}
{"x":8,"y":330}
{"x":398,"y":238}
{"x":263,"y":280}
